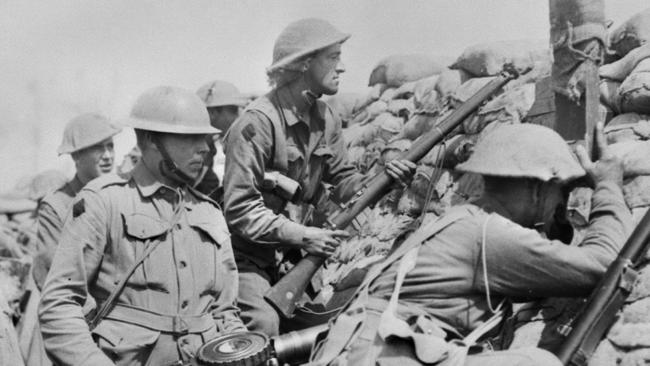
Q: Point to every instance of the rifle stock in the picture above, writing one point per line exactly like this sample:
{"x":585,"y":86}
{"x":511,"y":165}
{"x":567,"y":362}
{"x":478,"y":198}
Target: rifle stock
{"x":289,"y":289}
{"x":600,"y":311}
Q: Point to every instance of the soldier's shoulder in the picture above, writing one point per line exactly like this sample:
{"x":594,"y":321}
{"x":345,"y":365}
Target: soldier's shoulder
{"x":203,"y":198}
{"x":105,"y":181}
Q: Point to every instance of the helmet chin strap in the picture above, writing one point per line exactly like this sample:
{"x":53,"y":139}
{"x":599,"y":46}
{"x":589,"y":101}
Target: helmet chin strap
{"x":309,"y":96}
{"x":168,"y":167}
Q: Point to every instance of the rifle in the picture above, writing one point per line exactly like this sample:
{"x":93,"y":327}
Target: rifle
{"x":600,"y":311}
{"x":285,"y":293}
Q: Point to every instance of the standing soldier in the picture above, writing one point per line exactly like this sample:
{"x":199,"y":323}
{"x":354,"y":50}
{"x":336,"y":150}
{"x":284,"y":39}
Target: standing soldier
{"x":224,"y":102}
{"x":277,"y":154}
{"x":449,"y":282}
{"x":88,"y":139}
{"x":153,"y":252}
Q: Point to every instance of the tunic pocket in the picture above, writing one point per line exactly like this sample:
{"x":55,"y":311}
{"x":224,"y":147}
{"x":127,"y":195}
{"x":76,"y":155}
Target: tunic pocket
{"x":123,"y":343}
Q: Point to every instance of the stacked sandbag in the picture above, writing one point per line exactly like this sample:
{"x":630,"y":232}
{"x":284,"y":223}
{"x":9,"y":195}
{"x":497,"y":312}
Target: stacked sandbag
{"x":631,"y":34}
{"x":488,"y":59}
{"x":391,"y":119}
{"x":396,"y":70}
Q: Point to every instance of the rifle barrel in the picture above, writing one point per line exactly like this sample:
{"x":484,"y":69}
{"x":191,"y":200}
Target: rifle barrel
{"x":599,"y":313}
{"x":284,"y":294}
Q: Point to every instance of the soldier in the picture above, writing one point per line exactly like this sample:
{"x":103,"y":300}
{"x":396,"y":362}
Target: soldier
{"x":224,"y":103}
{"x":449,"y":282}
{"x":153,"y":252}
{"x":277,"y":154}
{"x":88,"y":139}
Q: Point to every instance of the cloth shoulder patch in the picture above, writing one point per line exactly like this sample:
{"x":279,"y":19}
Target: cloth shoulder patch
{"x":248,"y":132}
{"x":78,"y":208}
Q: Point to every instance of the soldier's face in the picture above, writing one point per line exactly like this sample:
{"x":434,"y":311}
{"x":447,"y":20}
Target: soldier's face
{"x":324,"y":70}
{"x":223,"y":117}
{"x":187,"y":151}
{"x":95,"y":160}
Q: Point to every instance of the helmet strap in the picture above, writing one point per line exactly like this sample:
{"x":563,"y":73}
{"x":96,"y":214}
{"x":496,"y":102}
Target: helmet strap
{"x":168,"y":167}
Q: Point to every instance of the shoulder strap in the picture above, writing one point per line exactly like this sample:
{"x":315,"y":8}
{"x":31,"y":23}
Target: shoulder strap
{"x":272,"y":111}
{"x":416,"y":239}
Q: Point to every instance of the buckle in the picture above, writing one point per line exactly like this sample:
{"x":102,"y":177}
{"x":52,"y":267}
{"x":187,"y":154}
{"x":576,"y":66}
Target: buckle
{"x":179,"y":326}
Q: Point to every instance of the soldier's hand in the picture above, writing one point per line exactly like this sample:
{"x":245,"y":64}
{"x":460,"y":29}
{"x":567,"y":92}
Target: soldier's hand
{"x":608,"y":167}
{"x":322,"y":242}
{"x":401,"y":170}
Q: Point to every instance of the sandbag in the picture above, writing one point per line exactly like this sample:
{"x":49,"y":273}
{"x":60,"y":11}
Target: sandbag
{"x":609,"y":95}
{"x":628,"y":127}
{"x":468,"y":89}
{"x":394,"y":149}
{"x":345,"y":104}
{"x":396,"y":70}
{"x":406,"y":90}
{"x":635,"y":89}
{"x":631,"y":34}
{"x":370,"y":112}
{"x":511,"y":106}
{"x":389,"y":125}
{"x":388,"y":95}
{"x":360,"y":134}
{"x":635,"y":156}
{"x":417,"y":125}
{"x":488,"y":59}
{"x":401,"y":107}
{"x":450,"y":80}
{"x":423,"y":88}
{"x":622,"y":68}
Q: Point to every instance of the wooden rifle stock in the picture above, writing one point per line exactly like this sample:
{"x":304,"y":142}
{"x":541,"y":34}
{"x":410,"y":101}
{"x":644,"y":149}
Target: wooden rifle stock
{"x":289,"y":289}
{"x":599,"y":313}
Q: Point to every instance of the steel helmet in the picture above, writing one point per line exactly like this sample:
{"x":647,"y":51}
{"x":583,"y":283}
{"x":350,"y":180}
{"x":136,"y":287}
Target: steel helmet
{"x":170,"y":109}
{"x":84,"y":131}
{"x":221,"y":93}
{"x":303,"y":37}
{"x":523,"y":151}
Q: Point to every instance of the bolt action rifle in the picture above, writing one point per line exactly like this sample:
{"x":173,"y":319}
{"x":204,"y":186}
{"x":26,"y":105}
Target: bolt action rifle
{"x":601,"y":309}
{"x":286,"y":292}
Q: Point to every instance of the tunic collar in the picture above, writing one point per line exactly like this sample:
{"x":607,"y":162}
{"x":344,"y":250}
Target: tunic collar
{"x":146,"y":181}
{"x":287,"y":105}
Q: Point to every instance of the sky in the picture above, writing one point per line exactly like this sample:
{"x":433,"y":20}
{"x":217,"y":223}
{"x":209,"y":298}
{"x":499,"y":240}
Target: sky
{"x":62,"y":58}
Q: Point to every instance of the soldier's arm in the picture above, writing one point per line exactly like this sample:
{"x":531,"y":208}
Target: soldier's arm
{"x":66,"y":335}
{"x":521,"y":262}
{"x":340,"y":172}
{"x":49,"y":227}
{"x":249,"y":146}
{"x":225,"y":311}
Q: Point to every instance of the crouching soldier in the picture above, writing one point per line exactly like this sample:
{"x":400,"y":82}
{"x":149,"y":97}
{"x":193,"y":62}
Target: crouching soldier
{"x":153,"y":252}
{"x":448,"y":283}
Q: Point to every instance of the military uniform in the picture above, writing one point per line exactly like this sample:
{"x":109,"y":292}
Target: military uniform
{"x":261,"y":221}
{"x":445,"y":295}
{"x":182,"y":295}
{"x":52,"y":211}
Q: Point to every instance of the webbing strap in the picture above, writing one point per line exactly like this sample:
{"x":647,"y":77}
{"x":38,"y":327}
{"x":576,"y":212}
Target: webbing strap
{"x":178,"y":324}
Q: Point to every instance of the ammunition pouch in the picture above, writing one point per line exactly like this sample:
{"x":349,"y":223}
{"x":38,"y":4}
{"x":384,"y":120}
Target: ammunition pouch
{"x":281,"y":185}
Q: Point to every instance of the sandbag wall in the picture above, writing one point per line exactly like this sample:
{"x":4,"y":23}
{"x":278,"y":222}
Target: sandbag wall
{"x":408,"y":96}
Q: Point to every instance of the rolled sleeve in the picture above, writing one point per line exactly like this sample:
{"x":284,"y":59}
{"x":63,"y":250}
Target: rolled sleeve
{"x":66,"y":335}
{"x":249,"y":145}
{"x":520,"y":262}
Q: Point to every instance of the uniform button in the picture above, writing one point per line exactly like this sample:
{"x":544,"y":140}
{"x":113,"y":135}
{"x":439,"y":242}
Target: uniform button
{"x":182,"y":264}
{"x":185,"y":304}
